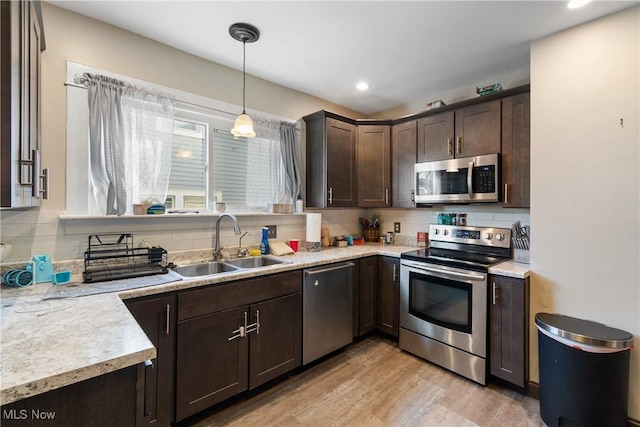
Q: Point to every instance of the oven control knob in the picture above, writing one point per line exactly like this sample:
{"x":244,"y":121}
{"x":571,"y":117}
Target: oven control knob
{"x":436,"y":231}
{"x":445,"y":232}
{"x":488,"y":236}
{"x":499,"y":236}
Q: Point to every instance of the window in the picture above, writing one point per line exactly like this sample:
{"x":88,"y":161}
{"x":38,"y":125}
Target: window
{"x":208,"y":164}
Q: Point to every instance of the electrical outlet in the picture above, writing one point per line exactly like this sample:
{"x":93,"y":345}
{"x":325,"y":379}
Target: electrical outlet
{"x":273,"y":231}
{"x":396,"y":227}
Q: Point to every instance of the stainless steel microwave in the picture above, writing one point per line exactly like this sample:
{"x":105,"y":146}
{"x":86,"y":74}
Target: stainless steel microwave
{"x":464,"y":180}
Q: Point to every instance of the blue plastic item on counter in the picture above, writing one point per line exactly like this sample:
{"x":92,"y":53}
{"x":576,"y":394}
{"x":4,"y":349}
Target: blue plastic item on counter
{"x":42,"y":268}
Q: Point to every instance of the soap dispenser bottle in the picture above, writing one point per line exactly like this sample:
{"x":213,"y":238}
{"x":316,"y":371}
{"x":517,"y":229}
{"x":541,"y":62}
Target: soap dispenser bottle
{"x":264,"y":244}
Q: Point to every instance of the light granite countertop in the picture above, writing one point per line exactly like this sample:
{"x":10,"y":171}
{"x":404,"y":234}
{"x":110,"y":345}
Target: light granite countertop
{"x":47,"y":344}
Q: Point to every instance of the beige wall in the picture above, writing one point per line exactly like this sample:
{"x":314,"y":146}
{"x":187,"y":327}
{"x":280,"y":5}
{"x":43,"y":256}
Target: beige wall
{"x":73,"y":37}
{"x":585,"y":181}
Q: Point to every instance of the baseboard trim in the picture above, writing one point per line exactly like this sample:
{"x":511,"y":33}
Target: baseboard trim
{"x":633,"y":423}
{"x":534,"y":390}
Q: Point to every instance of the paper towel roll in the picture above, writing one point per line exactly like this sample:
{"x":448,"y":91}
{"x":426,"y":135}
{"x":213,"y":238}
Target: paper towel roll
{"x":314,"y":225}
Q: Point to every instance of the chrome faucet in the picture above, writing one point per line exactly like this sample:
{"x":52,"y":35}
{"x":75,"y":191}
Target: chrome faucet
{"x":242,"y":252}
{"x":236,"y":229}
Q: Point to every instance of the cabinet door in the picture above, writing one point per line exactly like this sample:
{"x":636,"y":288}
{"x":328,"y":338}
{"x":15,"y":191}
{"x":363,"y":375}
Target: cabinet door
{"x":478,"y":129}
{"x":211,"y":365}
{"x":340,"y":164}
{"x":509,"y":332}
{"x":368,"y":282}
{"x":374,"y":165}
{"x":435,"y":137}
{"x":404,"y":139}
{"x":516,"y":150}
{"x":388,"y":295}
{"x":157,"y":317}
{"x":275,"y":347}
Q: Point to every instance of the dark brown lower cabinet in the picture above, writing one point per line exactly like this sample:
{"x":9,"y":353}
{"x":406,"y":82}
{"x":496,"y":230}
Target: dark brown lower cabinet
{"x":367,"y":280}
{"x":388,"y":295}
{"x":223,"y":351}
{"x":157,"y":317}
{"x":108,"y":400}
{"x":509,"y":330}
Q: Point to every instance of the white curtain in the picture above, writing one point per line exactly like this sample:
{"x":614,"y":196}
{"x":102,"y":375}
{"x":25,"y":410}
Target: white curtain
{"x":130,"y":136}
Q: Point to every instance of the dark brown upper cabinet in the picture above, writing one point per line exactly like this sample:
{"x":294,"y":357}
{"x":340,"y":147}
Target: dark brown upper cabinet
{"x":330,"y":161}
{"x":374,"y":166}
{"x":403,"y":157}
{"x":516,"y":146}
{"x":465,"y":132}
{"x":21,"y":44}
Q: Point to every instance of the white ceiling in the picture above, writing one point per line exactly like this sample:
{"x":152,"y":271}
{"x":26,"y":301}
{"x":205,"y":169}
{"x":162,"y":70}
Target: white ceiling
{"x":405,"y":49}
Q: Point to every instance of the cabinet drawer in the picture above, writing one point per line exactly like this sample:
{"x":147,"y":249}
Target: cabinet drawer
{"x":233,"y":294}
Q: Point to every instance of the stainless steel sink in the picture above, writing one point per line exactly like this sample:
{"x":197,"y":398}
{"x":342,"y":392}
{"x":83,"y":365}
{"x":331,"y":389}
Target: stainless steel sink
{"x":254,"y":262}
{"x":204,"y":269}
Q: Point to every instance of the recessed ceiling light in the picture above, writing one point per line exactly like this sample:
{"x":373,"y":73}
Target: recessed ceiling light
{"x":574,"y":4}
{"x":363,"y":85}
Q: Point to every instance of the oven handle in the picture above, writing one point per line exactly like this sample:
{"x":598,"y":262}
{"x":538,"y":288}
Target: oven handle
{"x":444,"y":272}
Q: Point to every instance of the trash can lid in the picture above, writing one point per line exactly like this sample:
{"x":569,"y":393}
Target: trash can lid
{"x":584,"y":331}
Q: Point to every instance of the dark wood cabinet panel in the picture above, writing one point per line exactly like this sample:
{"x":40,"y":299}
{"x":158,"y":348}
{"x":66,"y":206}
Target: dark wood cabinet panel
{"x":331,"y":173}
{"x":374,"y":165}
{"x":108,"y":400}
{"x":223,"y":350}
{"x":388,"y":295}
{"x":478,"y":129}
{"x":21,"y":44}
{"x":157,"y":317}
{"x":368,"y":279}
{"x":465,"y":132}
{"x":276,"y":346}
{"x":355,"y":280}
{"x":509,"y":330}
{"x":243,"y":292}
{"x":211,"y":366}
{"x":435,"y":137}
{"x":404,"y":139}
{"x":516,"y":150}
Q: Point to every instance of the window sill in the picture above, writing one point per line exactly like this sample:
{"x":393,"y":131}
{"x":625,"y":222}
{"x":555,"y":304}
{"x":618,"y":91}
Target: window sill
{"x":204,"y":214}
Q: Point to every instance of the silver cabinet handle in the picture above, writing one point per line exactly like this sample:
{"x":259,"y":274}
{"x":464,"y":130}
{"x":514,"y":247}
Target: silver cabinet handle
{"x":45,"y":184}
{"x":459,"y":145}
{"x":450,"y":146}
{"x":254,"y":327}
{"x":495,"y":291}
{"x":35,"y":173}
{"x":506,"y":193}
{"x":386,"y":196}
{"x":168,"y":318}
{"x":148,"y":365}
{"x":330,"y":195}
{"x":241,"y":332}
{"x":395,"y":272}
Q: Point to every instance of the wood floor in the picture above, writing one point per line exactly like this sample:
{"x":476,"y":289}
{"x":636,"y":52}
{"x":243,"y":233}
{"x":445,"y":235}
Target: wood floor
{"x":374,"y":383}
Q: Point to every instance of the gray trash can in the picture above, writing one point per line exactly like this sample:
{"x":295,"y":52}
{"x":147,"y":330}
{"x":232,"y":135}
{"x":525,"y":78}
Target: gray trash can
{"x":584,"y":372}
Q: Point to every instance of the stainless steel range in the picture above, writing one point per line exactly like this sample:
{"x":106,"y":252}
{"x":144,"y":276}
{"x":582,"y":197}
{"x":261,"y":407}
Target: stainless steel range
{"x":443,"y":296}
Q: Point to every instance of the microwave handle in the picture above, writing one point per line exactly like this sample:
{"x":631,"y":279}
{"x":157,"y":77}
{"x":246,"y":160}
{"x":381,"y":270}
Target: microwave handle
{"x":470,"y":179}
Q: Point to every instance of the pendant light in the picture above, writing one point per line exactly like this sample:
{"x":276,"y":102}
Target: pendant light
{"x":245,"y":33}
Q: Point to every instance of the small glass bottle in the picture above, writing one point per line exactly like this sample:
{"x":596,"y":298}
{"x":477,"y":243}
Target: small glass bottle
{"x":264,"y":244}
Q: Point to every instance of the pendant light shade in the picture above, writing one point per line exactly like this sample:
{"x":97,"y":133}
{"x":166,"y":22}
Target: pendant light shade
{"x":243,"y":126}
{"x":246,"y":33}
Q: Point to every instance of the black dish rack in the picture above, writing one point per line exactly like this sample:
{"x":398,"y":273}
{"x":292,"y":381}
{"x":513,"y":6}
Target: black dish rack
{"x":113,"y":257}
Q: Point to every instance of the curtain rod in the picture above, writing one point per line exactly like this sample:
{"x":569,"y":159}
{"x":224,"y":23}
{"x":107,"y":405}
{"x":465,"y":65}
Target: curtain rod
{"x":79,"y":86}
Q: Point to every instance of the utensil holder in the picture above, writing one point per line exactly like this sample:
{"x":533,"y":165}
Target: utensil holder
{"x":371,"y":234}
{"x":521,"y":255}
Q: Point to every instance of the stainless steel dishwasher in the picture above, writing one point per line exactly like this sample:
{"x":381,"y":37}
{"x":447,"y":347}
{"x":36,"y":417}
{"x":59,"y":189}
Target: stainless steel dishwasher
{"x":327,"y":309}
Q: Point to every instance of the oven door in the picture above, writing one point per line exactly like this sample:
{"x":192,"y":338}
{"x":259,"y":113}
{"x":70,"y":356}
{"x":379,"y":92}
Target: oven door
{"x":446,"y":304}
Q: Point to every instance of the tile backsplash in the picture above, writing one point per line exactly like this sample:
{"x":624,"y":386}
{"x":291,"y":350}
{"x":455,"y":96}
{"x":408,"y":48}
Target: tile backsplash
{"x":32,"y":232}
